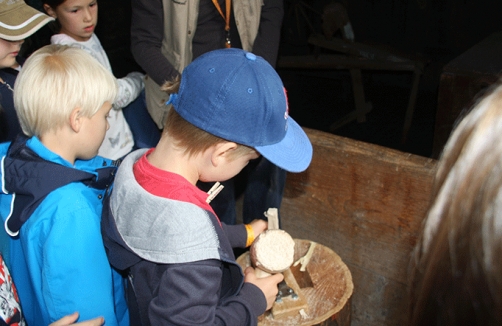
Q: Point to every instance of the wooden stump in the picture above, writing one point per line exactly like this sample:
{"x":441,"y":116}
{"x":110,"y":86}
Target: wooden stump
{"x":326,"y":284}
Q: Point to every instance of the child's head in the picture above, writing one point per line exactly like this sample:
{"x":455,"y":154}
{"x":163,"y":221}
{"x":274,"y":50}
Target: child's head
{"x":54,"y":81}
{"x":17,"y":22}
{"x":237,"y":96}
{"x":195,"y":140}
{"x":8,"y":53}
{"x":457,"y":268}
{"x":76,"y":18}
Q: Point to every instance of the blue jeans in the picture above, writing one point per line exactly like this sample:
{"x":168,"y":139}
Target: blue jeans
{"x":263,"y":189}
{"x":144,"y":130}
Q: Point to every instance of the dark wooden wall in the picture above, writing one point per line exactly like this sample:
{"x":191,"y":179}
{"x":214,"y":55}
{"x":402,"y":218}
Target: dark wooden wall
{"x":366,"y":202}
{"x":438,"y":29}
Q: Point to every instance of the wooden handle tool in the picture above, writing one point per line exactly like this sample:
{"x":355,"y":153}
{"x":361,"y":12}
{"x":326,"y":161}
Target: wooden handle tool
{"x":273,"y":250}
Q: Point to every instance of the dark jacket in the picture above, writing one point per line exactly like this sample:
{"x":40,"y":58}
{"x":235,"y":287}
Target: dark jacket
{"x":178,"y":256}
{"x":9,"y":119}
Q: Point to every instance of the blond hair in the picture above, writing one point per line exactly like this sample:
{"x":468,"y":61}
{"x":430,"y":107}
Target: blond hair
{"x":456,"y":268}
{"x":54,"y":81}
{"x":193,"y":139}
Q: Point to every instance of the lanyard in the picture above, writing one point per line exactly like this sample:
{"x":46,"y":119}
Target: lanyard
{"x":226,"y":17}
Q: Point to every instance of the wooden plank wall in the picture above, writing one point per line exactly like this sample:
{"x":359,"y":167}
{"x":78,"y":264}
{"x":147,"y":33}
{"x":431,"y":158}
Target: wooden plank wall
{"x":366,"y":202}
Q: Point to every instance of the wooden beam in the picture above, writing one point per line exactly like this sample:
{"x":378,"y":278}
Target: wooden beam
{"x":340,"y":61}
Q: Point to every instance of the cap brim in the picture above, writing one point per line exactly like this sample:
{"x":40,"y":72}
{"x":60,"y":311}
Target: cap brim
{"x":21,"y":22}
{"x":293,"y":153}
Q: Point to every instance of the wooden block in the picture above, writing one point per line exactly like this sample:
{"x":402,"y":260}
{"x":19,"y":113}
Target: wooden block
{"x":289,"y":306}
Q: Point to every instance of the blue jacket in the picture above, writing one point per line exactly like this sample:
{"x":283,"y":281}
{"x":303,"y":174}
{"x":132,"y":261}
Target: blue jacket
{"x":57,"y":259}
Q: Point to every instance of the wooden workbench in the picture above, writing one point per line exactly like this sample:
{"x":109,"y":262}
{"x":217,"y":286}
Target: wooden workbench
{"x":366,"y":203}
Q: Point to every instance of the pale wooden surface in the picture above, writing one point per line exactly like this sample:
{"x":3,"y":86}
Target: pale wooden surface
{"x":290,"y":306}
{"x":365,"y":202}
{"x":326,"y":285}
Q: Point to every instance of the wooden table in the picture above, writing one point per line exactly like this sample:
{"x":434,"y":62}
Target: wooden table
{"x":326,"y":284}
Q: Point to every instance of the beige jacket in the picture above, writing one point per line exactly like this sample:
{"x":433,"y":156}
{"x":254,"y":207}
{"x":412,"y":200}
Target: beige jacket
{"x":179,"y":29}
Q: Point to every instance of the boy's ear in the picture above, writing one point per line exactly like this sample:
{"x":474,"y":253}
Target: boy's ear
{"x":49,"y":11}
{"x":221,"y":152}
{"x":76,"y":120}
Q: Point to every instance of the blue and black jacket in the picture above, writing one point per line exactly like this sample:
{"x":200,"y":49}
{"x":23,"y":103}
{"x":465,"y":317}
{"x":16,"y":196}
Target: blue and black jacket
{"x":52,"y":214}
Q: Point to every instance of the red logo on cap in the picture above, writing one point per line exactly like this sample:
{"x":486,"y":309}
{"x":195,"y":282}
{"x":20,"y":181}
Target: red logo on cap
{"x":286,"y":114}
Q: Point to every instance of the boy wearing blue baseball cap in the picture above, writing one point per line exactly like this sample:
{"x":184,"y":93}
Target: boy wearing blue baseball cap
{"x":229,"y":108}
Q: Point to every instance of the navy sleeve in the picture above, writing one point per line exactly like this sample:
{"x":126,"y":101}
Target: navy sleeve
{"x":237,"y":235}
{"x":147,"y":32}
{"x":189,"y":294}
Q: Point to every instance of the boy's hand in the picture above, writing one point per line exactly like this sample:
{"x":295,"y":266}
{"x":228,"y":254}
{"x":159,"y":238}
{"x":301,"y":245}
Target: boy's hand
{"x":70,"y":320}
{"x":258,"y":226}
{"x":268,"y":285}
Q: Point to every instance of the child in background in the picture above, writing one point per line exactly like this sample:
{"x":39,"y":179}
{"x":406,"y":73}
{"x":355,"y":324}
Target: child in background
{"x":231,"y":107}
{"x":77,"y":20}
{"x":52,"y":189}
{"x":17,"y":22}
{"x":456,"y":269}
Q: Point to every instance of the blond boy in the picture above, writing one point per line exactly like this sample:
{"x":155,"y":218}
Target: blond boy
{"x":52,"y":189}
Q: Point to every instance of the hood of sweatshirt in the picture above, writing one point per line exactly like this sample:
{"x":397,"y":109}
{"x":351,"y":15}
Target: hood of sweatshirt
{"x":138,"y":225}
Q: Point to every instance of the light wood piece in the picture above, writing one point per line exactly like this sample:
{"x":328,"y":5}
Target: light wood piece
{"x":289,"y":306}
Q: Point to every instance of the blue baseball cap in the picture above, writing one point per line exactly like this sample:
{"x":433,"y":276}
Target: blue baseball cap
{"x":238,"y":96}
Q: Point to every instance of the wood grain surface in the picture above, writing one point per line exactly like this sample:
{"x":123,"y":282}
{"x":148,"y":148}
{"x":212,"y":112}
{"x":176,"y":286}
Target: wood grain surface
{"x":366,"y":203}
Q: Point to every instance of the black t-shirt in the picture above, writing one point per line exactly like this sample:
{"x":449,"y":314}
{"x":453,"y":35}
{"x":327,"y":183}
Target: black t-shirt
{"x":210,"y":34}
